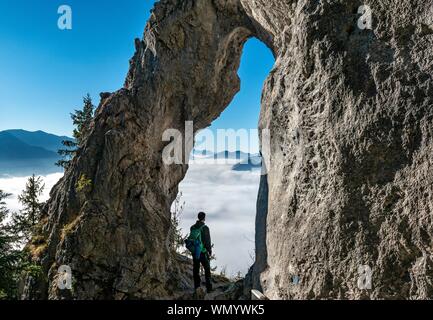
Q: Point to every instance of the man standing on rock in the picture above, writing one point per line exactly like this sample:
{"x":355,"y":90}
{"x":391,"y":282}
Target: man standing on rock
{"x":203,"y":258}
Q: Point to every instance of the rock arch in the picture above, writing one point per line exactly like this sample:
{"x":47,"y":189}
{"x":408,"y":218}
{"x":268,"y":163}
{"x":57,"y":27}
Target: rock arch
{"x":114,"y":233}
{"x":349,"y":182}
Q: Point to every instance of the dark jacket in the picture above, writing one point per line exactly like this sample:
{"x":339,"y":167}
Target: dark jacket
{"x":205,"y":236}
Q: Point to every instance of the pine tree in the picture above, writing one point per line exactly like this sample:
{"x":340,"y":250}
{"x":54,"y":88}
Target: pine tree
{"x":81,"y":119}
{"x":10,"y":257}
{"x":67,"y":153}
{"x":24,"y":221}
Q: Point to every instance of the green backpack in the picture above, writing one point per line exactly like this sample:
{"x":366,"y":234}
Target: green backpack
{"x":194,"y":243}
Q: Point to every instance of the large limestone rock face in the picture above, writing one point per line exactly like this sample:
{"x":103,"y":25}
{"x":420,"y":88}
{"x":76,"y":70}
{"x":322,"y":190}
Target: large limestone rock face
{"x":349,"y":179}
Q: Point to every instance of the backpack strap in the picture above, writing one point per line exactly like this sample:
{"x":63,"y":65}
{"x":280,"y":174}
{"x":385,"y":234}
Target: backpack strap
{"x":200,"y":229}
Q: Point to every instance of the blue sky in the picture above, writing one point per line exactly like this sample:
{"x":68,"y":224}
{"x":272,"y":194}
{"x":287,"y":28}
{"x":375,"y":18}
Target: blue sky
{"x":45,"y":72}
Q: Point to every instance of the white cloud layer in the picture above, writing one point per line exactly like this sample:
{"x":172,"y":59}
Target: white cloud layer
{"x":228,"y":197}
{"x":16,"y":185}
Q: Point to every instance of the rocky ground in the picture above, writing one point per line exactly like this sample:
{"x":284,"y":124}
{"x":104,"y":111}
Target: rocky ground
{"x":223,"y":288}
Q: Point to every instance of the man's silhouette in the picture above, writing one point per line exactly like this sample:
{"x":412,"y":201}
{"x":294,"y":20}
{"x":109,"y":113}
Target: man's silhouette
{"x":204,"y":255}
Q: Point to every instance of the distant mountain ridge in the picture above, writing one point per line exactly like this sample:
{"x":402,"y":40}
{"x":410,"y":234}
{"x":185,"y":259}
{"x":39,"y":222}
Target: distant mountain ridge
{"x":23,"y":152}
{"x":13,"y":148}
{"x":39,"y":138}
{"x":240,"y":155}
{"x":246,"y":161}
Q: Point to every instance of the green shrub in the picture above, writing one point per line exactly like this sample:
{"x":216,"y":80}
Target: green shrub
{"x":84,"y":184}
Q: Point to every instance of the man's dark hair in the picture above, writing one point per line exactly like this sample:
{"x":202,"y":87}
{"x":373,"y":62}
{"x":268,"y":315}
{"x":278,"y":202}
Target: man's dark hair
{"x":201,"y":216}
